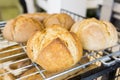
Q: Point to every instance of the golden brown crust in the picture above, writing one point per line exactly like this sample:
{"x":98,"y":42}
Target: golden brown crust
{"x":61,"y":19}
{"x":54,"y":58}
{"x":94,"y":34}
{"x":56,"y":47}
{"x":21,"y":28}
{"x":79,"y":45}
{"x":38,"y":16}
{"x":7,"y":32}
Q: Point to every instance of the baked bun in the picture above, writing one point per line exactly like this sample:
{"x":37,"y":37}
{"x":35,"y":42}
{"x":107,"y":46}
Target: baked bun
{"x":6,"y":76}
{"x":38,"y":16}
{"x":21,"y":28}
{"x":62,"y":19}
{"x":54,"y":49}
{"x":95,"y":34}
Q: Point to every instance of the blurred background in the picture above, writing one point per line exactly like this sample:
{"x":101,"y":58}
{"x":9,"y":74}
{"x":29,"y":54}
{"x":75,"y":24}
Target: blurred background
{"x":100,"y":9}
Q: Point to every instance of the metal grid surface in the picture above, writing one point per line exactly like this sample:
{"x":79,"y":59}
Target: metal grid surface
{"x":106,"y":57}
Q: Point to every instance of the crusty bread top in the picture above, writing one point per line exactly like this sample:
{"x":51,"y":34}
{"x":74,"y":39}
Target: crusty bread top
{"x":62,"y":19}
{"x":47,"y":36}
{"x":39,"y":16}
{"x":45,"y":45}
{"x":95,"y":34}
{"x":21,"y":28}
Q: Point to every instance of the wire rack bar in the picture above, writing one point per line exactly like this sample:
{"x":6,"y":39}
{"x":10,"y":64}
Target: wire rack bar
{"x":28,"y":75}
{"x":78,"y":67}
{"x":10,"y":50}
{"x":43,"y":76}
{"x":41,"y":73}
{"x":8,"y":44}
{"x":12,"y":56}
{"x":17,"y":61}
{"x":20,"y":69}
{"x":2,"y":23}
{"x":102,"y":59}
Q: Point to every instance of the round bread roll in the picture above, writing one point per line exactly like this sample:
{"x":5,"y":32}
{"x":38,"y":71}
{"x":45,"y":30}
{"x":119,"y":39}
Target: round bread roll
{"x":38,"y":16}
{"x":6,"y":76}
{"x":62,"y":19}
{"x":54,"y":49}
{"x":21,"y":28}
{"x":95,"y":34}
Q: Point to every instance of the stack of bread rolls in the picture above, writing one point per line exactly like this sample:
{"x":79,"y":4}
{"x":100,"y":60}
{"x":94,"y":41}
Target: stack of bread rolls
{"x":22,"y":27}
{"x":54,"y":41}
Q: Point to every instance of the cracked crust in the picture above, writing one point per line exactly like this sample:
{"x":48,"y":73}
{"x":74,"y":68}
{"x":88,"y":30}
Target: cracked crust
{"x":38,"y":16}
{"x":21,"y":28}
{"x":55,"y":49}
{"x":62,"y":19}
{"x":95,"y":34}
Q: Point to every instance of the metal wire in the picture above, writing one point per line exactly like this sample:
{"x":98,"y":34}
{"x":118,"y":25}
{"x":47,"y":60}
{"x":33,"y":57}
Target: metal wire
{"x":73,"y":69}
{"x":103,"y":58}
{"x":17,"y":61}
{"x":16,"y":70}
{"x":56,"y":75}
{"x":18,"y":54}
{"x":29,"y":75}
{"x":43,"y":76}
{"x":3,"y":52}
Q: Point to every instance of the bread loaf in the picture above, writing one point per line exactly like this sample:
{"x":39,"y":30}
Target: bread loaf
{"x":21,"y":28}
{"x":62,"y":19}
{"x":38,"y":16}
{"x":54,"y":48}
{"x":95,"y":34}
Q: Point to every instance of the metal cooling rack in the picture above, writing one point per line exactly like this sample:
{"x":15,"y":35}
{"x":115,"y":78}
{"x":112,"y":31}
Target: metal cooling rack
{"x":106,"y":57}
